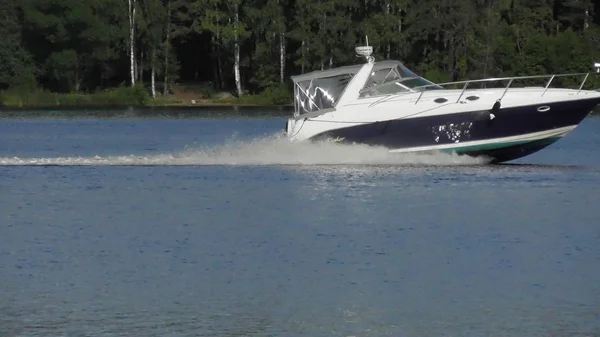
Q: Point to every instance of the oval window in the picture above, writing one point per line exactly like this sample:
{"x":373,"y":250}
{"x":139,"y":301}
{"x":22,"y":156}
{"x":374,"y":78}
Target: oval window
{"x":543,"y":108}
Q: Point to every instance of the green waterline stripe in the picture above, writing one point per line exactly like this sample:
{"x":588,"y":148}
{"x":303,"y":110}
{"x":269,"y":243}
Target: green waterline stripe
{"x":494,"y":146}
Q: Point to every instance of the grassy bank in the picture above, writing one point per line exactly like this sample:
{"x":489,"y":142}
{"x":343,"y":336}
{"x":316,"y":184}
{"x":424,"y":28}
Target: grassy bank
{"x":149,"y":112}
{"x":138,"y":96}
{"x":125,"y":96}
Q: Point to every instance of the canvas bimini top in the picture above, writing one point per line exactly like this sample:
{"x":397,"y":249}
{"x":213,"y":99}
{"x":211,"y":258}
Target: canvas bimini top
{"x":321,"y":90}
{"x":352,"y":69}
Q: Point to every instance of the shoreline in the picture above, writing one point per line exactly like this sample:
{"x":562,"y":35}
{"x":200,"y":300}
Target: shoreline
{"x":165,"y":111}
{"x":159,"y":103}
{"x":150,"y":106}
{"x":136,"y":97}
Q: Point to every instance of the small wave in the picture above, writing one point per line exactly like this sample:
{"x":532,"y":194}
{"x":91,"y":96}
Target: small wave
{"x":262,"y":151}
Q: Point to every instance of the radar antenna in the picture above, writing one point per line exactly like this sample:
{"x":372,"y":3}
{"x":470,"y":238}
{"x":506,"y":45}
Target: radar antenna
{"x":365,"y":51}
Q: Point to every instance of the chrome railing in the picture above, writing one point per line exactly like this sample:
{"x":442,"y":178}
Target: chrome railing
{"x":510,"y":81}
{"x":465,"y":85}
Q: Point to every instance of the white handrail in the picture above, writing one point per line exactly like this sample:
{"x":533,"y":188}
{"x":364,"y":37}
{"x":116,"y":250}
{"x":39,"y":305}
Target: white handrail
{"x":506,"y":90}
{"x":548,"y":84}
{"x":493,"y":79}
{"x":466,"y":84}
{"x":496,"y":79}
{"x":583,"y":82}
{"x":462,"y":92}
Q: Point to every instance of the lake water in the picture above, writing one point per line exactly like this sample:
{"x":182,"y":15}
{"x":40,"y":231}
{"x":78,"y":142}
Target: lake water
{"x":218,"y":227}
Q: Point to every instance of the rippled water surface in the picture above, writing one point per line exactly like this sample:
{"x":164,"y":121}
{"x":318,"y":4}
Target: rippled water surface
{"x":218,"y":227}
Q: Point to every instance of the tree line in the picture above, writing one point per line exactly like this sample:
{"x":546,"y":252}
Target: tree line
{"x":248,"y":46}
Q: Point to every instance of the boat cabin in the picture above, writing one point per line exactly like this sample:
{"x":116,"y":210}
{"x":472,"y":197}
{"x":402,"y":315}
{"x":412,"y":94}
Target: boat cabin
{"x":319,"y":91}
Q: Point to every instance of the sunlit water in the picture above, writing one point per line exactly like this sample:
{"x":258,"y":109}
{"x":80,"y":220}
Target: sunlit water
{"x":220,"y":227}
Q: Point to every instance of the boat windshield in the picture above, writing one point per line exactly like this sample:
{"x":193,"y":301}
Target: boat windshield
{"x":316,"y":94}
{"x":393,"y":80}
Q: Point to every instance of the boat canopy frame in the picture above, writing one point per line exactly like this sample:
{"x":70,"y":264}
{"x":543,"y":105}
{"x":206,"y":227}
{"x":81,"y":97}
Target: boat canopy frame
{"x":319,"y":91}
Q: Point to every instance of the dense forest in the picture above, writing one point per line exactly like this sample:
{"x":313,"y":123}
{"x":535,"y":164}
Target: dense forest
{"x":249,"y":46}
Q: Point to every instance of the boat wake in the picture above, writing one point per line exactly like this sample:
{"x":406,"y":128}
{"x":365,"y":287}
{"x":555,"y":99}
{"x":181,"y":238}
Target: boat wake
{"x":262,"y":151}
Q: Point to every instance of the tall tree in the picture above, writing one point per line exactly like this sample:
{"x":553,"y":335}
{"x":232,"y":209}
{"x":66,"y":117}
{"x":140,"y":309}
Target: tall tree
{"x":70,"y":45}
{"x":70,"y":39}
{"x":224,"y":19}
{"x":267,"y":18}
{"x":16,"y":65}
{"x":383,"y":23}
{"x":151,"y":27}
{"x":574,"y":14}
{"x":178,"y":21}
{"x":303,"y":32}
{"x":131,"y":14}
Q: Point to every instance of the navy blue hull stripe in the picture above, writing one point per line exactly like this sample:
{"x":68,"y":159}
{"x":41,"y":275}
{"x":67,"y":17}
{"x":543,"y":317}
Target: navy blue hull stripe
{"x":464,"y":127}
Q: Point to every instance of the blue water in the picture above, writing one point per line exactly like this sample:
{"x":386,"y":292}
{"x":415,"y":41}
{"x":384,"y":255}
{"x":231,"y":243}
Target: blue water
{"x":217,"y":227}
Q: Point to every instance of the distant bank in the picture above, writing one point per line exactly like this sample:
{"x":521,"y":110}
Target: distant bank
{"x":181,"y":111}
{"x":200,"y":111}
{"x":137,"y":97}
{"x":136,"y":102}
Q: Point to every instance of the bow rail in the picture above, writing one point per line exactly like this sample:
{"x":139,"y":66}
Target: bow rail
{"x":510,"y":82}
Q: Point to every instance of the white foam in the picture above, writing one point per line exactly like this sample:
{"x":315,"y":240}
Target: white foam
{"x":262,"y":151}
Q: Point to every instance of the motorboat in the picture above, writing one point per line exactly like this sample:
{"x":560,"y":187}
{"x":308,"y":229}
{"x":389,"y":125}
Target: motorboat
{"x":386,"y":104}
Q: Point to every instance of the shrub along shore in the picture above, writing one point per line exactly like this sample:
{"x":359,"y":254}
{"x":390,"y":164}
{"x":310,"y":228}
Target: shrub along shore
{"x":136,"y":96}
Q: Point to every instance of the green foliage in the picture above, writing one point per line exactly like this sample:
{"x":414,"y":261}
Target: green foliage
{"x":74,"y":43}
{"x":208,"y":92}
{"x":218,"y":17}
{"x":80,"y":48}
{"x":124,"y":96}
{"x":151,"y":27}
{"x":278,"y":95}
{"x":61,"y":67}
{"x":437,"y":75}
{"x":275,"y":95}
{"x":17,"y":69}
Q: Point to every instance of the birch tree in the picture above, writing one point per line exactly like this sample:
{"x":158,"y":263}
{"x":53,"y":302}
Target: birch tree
{"x":384,"y":26}
{"x":303,"y":34}
{"x":224,"y":19}
{"x":131,"y":14}
{"x":151,"y":25}
{"x":254,"y":45}
{"x":269,"y":33}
